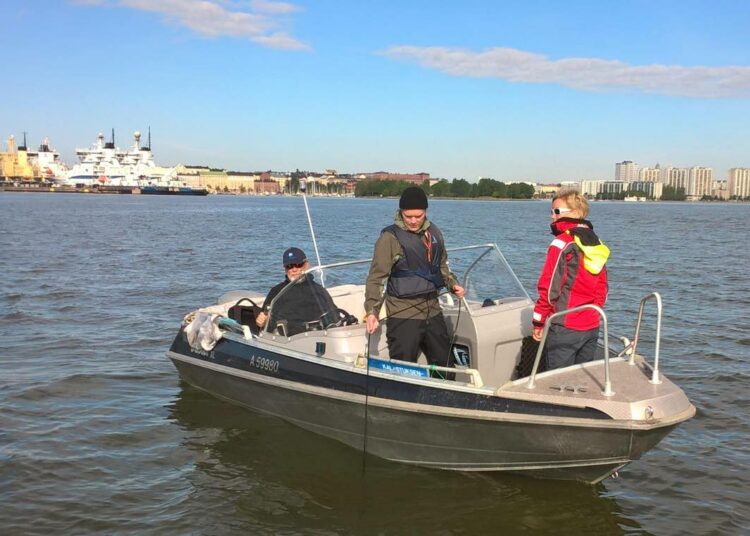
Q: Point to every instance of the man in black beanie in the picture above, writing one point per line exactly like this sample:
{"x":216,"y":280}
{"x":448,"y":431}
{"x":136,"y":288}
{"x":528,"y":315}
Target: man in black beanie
{"x":411,"y":255}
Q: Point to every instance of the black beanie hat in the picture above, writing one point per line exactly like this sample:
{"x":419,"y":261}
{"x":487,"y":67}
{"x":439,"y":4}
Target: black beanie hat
{"x":413,"y":198}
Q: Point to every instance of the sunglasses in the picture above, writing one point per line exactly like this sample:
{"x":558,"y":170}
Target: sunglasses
{"x":559,"y":211}
{"x":290,"y":266}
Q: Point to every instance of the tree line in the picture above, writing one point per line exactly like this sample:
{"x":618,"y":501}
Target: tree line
{"x":456,"y":188}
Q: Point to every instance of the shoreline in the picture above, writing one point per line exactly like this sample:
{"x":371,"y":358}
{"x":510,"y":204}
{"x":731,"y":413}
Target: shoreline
{"x":11,"y":187}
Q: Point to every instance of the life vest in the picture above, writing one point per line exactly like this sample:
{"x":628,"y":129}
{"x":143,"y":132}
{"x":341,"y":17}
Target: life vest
{"x":413,"y":274}
{"x":595,"y":252}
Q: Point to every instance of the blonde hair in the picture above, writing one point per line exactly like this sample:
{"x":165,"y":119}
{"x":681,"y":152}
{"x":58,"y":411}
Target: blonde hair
{"x":574,"y":200}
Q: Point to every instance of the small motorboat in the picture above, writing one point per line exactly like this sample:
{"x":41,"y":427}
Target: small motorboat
{"x":495,"y":409}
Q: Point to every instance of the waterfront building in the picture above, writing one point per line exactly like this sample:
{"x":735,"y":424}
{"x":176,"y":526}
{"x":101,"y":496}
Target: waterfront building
{"x":590,"y":188}
{"x":613,"y":189}
{"x":648,"y":174}
{"x":570,"y":185}
{"x":546,"y":191}
{"x":653,"y":190}
{"x":218,"y":180}
{"x":700,"y":183}
{"x":266,"y":186}
{"x":241,"y":181}
{"x":282,"y":178}
{"x":675,"y":177}
{"x":626,"y":171}
{"x":738,"y":183}
{"x":414,"y":178}
{"x":720,"y":190}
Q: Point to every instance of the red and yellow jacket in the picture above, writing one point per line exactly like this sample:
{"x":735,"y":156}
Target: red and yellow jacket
{"x":573,"y":274}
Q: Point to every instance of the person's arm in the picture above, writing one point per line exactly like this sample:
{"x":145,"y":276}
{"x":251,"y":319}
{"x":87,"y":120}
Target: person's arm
{"x":262,"y":317}
{"x":602,"y":288}
{"x":386,"y":252}
{"x":547,"y":287}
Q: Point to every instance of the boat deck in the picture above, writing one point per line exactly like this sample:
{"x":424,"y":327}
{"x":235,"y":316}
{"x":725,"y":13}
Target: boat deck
{"x":634,"y":396}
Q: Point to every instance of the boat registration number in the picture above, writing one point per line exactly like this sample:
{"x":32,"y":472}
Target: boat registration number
{"x":263,"y":363}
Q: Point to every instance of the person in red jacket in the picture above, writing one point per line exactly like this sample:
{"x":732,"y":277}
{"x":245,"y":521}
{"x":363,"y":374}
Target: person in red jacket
{"x":574,"y":274}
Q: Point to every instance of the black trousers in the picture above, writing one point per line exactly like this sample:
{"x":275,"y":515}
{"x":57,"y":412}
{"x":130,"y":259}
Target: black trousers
{"x":567,"y":347}
{"x":407,"y":336}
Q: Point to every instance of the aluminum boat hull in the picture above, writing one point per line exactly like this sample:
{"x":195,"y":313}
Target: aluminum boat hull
{"x":430,"y":426}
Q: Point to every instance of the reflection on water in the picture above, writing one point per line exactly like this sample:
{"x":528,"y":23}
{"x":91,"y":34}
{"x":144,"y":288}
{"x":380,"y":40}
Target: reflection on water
{"x":275,"y":475}
{"x":97,"y":435}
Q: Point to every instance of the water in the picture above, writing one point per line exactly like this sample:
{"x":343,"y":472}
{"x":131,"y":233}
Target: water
{"x":97,"y":434}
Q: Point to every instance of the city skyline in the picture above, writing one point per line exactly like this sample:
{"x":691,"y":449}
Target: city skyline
{"x":541,"y":92}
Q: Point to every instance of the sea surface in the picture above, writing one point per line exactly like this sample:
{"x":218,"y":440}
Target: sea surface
{"x":98,"y":434}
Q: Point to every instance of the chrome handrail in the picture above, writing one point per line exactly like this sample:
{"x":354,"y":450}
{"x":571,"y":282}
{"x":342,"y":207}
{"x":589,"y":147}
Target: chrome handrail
{"x":607,"y":383}
{"x":656,"y":296}
{"x":488,"y":246}
{"x":321,"y":268}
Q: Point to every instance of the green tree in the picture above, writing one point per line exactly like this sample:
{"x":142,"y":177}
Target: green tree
{"x":461,"y":188}
{"x":500,"y":191}
{"x":486,"y":187}
{"x":442,"y":188}
{"x":670,"y":193}
{"x":426,"y":187}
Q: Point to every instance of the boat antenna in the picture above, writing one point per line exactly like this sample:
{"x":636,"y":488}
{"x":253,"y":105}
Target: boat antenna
{"x":303,"y":188}
{"x":149,"y":137}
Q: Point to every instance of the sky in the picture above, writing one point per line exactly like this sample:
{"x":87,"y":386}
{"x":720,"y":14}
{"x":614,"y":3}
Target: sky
{"x":531,"y":90}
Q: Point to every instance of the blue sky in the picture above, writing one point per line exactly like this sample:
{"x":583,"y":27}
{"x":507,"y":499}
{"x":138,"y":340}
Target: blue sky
{"x":528,"y":90}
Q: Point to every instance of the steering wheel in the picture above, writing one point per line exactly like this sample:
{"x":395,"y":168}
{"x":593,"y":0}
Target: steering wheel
{"x":336,"y":318}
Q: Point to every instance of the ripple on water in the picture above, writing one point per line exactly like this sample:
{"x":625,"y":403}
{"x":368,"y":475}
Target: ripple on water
{"x":98,"y":436}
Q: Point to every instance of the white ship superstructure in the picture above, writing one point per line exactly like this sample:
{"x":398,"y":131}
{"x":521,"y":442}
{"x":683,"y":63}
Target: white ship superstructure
{"x":47,"y":163}
{"x":104,"y":163}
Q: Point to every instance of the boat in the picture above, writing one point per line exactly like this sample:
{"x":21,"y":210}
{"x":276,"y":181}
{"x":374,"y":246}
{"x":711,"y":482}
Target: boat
{"x":172,"y":190}
{"x":108,"y":168}
{"x":496,"y":410}
{"x":47,"y":163}
{"x":102,"y":164}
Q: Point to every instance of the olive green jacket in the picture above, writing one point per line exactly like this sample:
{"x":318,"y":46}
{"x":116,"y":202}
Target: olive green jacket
{"x":387,"y":252}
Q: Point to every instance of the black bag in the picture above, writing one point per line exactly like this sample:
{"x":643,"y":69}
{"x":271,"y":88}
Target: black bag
{"x":529,"y":348}
{"x":245,"y":314}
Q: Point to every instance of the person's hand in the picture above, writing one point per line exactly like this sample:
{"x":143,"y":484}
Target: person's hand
{"x":537,"y":333}
{"x":261,"y":319}
{"x":458,"y":290}
{"x":372,"y":323}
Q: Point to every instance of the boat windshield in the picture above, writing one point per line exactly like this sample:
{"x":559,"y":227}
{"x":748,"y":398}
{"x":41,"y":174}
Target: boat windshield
{"x":305,"y":305}
{"x":486,"y":276}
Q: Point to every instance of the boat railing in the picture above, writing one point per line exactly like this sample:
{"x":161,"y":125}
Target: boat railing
{"x":655,"y":369}
{"x":472,"y":267}
{"x":487,"y":247}
{"x":607,"y":382}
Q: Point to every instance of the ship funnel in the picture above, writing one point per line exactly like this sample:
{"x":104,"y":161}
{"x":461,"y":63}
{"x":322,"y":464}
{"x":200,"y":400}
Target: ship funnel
{"x":111,"y":144}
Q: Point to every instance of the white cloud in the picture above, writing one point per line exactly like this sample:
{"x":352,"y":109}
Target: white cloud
{"x":587,"y":74}
{"x":260,"y":23}
{"x":279,"y":8}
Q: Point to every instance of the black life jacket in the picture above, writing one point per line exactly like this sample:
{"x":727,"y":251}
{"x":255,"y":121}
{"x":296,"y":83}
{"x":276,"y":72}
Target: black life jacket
{"x":413,"y":275}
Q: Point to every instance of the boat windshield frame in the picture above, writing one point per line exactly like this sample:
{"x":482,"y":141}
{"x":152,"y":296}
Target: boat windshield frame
{"x":486,"y":249}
